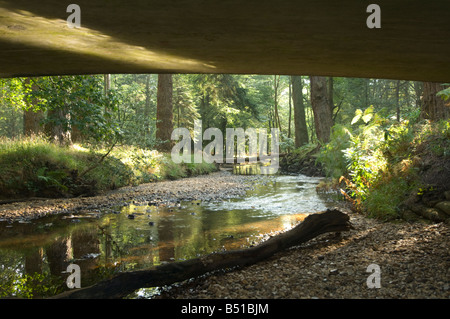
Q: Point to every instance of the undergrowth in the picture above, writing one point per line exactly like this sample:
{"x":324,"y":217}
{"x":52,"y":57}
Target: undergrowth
{"x":37,"y":168}
{"x":379,"y":163}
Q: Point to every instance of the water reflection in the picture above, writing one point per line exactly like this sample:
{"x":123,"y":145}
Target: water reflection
{"x":107,"y":242}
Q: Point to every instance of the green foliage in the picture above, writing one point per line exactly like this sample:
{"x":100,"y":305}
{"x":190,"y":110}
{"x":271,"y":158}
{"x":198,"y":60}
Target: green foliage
{"x":367,"y":147}
{"x":28,"y":286}
{"x":52,"y":178}
{"x":386,"y":197}
{"x":445,"y":93}
{"x":223,"y":102}
{"x":171,"y":170}
{"x":11,"y":106}
{"x":286,"y":143}
{"x":358,"y":154}
{"x":81,"y":103}
{"x":437,"y":138}
{"x":136,"y":108}
{"x":332,"y":154}
{"x":36,"y":167}
{"x":365,"y":116}
{"x":32,"y":165}
{"x":365,"y":160}
{"x":379,"y":156}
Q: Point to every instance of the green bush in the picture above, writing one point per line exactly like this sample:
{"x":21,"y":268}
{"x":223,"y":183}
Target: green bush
{"x":384,"y":199}
{"x":332,"y":154}
{"x":380,"y":160}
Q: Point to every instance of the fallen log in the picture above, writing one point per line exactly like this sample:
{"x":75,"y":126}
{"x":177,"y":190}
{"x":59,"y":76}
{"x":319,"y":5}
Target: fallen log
{"x":125,"y":283}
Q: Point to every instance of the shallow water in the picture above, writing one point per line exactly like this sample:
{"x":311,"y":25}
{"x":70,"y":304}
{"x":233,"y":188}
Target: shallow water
{"x":34,"y":256}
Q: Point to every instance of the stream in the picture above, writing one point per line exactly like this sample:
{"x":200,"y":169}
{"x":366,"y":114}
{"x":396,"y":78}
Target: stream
{"x":34,"y":255}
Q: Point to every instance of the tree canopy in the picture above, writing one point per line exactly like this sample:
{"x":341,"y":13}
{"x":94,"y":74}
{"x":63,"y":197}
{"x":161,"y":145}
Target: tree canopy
{"x":90,"y":109}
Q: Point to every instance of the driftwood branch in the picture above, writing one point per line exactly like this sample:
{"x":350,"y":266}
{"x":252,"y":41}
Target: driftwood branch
{"x":125,"y":283}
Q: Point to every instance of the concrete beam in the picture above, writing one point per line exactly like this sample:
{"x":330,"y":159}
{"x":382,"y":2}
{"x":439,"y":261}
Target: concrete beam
{"x":314,"y":37}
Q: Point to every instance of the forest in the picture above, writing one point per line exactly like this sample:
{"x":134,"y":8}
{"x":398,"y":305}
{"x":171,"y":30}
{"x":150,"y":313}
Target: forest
{"x":65,"y":136}
{"x":380,"y":146}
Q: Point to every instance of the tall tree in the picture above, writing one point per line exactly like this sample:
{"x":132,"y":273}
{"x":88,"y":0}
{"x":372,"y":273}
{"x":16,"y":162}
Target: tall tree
{"x":56,"y":127}
{"x":276,"y":85}
{"x":322,"y":112}
{"x":107,"y":84}
{"x":32,"y":117}
{"x":330,"y":93}
{"x":433,"y":107}
{"x":164,"y":115}
{"x":184,"y":101}
{"x":301,"y":130}
{"x":147,"y":107}
{"x":418,"y":90}
{"x":397,"y":100}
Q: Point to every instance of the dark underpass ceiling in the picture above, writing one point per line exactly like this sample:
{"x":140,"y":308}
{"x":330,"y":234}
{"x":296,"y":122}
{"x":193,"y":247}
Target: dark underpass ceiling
{"x":314,"y":37}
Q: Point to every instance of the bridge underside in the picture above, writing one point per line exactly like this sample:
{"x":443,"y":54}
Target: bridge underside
{"x":313,"y":37}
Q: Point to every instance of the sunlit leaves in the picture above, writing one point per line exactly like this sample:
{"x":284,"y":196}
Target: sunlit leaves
{"x":444,"y":94}
{"x":365,"y":116}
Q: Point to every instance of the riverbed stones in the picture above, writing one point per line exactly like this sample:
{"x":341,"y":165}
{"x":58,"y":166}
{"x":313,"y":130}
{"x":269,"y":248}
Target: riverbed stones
{"x":413,"y":259}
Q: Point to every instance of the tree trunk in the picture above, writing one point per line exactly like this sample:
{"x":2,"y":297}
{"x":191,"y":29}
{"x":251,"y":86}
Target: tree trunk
{"x":418,"y":90}
{"x":31,"y":122}
{"x":290,"y":108}
{"x":56,"y":127}
{"x":147,"y":107}
{"x":321,"y":108}
{"x":301,"y":130}
{"x":277,"y":116}
{"x":434,"y":107}
{"x":31,"y":117}
{"x":127,"y":282}
{"x":397,"y":100}
{"x":164,"y":116}
{"x":330,"y":94}
{"x":107,"y":84}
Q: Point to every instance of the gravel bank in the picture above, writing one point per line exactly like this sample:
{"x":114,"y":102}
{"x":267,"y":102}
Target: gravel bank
{"x":413,"y":258}
{"x":217,"y":185}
